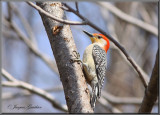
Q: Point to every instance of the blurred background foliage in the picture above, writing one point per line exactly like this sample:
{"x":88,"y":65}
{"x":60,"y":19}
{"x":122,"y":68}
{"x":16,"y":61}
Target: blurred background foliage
{"x":121,"y":79}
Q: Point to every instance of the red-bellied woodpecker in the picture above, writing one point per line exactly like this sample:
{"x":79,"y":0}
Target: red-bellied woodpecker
{"x":94,"y":64}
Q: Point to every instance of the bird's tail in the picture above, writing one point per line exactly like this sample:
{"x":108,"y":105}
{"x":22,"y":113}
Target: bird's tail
{"x":95,"y":95}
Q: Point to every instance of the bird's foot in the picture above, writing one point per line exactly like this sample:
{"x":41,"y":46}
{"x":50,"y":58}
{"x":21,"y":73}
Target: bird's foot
{"x":77,"y":57}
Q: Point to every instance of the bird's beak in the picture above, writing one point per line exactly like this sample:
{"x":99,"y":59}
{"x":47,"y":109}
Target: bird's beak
{"x":89,"y":34}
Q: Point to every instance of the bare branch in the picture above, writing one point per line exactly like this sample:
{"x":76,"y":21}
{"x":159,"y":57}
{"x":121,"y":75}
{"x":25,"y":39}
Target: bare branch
{"x":9,"y":95}
{"x":129,"y":19}
{"x":17,"y":83}
{"x":151,"y":92}
{"x":32,"y":47}
{"x":114,"y":41}
{"x":8,"y":76}
{"x":55,"y":18}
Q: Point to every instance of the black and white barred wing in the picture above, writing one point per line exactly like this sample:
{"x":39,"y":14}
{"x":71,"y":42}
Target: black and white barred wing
{"x":99,"y":56}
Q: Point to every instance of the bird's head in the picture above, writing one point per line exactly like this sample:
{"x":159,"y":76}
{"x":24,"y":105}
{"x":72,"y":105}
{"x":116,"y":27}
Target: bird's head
{"x":100,"y":39}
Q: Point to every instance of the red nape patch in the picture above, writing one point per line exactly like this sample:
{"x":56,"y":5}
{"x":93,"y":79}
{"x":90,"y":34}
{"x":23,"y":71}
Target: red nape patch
{"x":105,"y":38}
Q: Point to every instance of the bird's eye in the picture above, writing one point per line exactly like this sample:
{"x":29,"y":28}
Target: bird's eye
{"x":99,"y":37}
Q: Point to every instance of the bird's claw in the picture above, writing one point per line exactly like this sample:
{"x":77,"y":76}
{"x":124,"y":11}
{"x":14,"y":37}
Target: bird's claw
{"x":76,"y":54}
{"x":77,"y":57}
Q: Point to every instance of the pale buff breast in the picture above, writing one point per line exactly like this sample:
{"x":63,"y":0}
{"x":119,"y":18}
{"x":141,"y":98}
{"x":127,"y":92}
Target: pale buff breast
{"x":89,"y":66}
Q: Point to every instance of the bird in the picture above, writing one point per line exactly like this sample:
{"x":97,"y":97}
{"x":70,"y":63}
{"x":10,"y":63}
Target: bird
{"x":94,"y":64}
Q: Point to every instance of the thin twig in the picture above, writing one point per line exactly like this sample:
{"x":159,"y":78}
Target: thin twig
{"x":17,"y":83}
{"x":114,"y":41}
{"x":117,"y":12}
{"x":76,"y":3}
{"x":54,"y":18}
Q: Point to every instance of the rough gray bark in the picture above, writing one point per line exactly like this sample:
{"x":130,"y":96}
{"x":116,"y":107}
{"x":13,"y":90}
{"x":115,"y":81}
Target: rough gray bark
{"x":151,"y":92}
{"x":63,"y":47}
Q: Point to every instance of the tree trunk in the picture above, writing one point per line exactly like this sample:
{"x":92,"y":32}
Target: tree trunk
{"x":63,"y":47}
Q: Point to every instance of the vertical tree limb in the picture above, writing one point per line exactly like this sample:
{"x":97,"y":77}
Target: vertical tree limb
{"x":63,"y":46}
{"x":151,"y":91}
